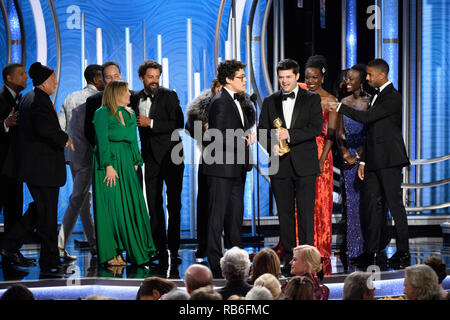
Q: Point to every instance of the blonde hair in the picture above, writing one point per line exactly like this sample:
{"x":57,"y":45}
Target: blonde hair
{"x":112,"y":91}
{"x":270,"y":282}
{"x":311,"y":256}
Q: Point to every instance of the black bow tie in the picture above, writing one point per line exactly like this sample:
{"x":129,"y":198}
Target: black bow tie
{"x":377,"y":90}
{"x":145,"y":96}
{"x":18,"y":97}
{"x":289,"y":95}
{"x":237,"y":96}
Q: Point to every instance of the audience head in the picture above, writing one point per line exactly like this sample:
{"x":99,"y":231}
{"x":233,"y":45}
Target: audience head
{"x":259,"y":293}
{"x":150,"y":74}
{"x":421,"y":283}
{"x":377,"y":73}
{"x":236,"y":297}
{"x":94,"y":75}
{"x":230,"y":74}
{"x":235,"y":264}
{"x":153,"y":288}
{"x":316,"y":69}
{"x":270,"y":282}
{"x":43,"y":77}
{"x":438,"y":266}
{"x":17,"y":292}
{"x":111,"y":72}
{"x":358,"y":286}
{"x":116,"y":94}
{"x":175,"y":294}
{"x":197,"y":276}
{"x":288,"y":72}
{"x":306,"y":259}
{"x":14,"y":76}
{"x":299,"y":288}
{"x":265,"y":261}
{"x":215,"y":86}
{"x":99,"y":297}
{"x":205,"y":293}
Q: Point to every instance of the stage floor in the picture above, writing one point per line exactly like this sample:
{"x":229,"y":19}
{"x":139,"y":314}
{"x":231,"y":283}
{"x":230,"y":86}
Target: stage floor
{"x":87,"y":274}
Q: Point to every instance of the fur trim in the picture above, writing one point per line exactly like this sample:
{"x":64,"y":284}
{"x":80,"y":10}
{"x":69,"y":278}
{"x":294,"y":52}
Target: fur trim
{"x":248,"y":109}
{"x":198,"y":108}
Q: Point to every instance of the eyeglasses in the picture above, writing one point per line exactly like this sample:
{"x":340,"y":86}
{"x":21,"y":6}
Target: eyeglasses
{"x":242,"y":77}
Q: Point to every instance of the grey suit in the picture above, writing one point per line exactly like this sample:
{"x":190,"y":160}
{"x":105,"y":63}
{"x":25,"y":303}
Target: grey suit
{"x":71,"y":118}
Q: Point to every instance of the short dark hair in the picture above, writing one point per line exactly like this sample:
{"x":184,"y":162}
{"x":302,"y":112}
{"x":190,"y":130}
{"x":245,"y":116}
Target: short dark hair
{"x":108,"y":64}
{"x":10,"y":68}
{"x":148,"y":64}
{"x":160,"y":284}
{"x":438,"y":266}
{"x":319,"y":62}
{"x":361,"y":69}
{"x":92,"y":71}
{"x":288,"y":64}
{"x":379,"y":64}
{"x":17,"y":292}
{"x":227,"y":69}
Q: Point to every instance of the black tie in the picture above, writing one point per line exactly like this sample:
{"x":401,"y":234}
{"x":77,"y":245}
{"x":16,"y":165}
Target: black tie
{"x":18,"y":97}
{"x":377,"y":90}
{"x":289,"y":95}
{"x":236,"y":96}
{"x":145,"y":96}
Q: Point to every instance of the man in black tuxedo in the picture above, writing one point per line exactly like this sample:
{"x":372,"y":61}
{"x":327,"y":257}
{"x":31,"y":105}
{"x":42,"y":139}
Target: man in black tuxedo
{"x":159,"y":116}
{"x":381,"y":165}
{"x":226,"y":162}
{"x":41,"y":165}
{"x":111,"y":71}
{"x":301,"y":116}
{"x":11,"y":189}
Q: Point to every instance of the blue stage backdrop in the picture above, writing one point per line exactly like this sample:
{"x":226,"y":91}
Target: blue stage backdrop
{"x":110,"y":20}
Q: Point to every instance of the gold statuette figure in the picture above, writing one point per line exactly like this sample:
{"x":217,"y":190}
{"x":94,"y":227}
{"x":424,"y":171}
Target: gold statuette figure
{"x":277,"y":123}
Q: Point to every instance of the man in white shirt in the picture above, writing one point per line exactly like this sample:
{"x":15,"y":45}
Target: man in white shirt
{"x":71,"y":118}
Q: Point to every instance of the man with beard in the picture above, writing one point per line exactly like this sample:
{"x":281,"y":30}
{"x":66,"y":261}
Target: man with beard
{"x":11,"y":189}
{"x":159,"y":114}
{"x":41,"y":145}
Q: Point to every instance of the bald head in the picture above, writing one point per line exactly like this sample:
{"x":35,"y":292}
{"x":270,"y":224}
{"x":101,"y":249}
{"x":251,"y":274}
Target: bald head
{"x":197,"y":276}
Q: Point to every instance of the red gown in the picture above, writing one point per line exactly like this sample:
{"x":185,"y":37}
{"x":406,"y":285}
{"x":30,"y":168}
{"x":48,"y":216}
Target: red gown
{"x":324,"y":202}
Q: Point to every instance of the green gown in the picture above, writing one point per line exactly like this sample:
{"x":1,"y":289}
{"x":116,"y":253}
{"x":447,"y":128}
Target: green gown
{"x":121,"y":216}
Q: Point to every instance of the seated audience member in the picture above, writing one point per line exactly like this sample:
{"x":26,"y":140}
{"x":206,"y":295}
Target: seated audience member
{"x":99,"y":297}
{"x":421,"y":283}
{"x":197,"y":276}
{"x":153,"y":288}
{"x":307,"y":262}
{"x":440,"y":268}
{"x":205,"y":293}
{"x":299,"y":288}
{"x":358,"y":286}
{"x":265,"y":261}
{"x":17,"y":292}
{"x":235,"y":266}
{"x":175,"y":294}
{"x":259,"y":293}
{"x":269,"y":281}
{"x":236,"y":297}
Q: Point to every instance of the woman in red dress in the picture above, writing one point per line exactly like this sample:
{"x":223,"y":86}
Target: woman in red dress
{"x":315,"y":71}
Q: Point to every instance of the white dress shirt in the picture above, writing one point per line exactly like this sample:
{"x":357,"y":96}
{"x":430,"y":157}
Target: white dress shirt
{"x":288,"y":107}
{"x":14,"y":95}
{"x":145,"y":106}
{"x":238,"y":105}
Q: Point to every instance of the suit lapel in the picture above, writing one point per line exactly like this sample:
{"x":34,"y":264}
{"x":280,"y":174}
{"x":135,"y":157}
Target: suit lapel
{"x":382,"y":94}
{"x":279,"y":108}
{"x":297,"y":106}
{"x":235,"y":107}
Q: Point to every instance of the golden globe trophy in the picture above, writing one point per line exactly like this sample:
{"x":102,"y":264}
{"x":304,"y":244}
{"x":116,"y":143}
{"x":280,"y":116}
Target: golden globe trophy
{"x":277,"y":123}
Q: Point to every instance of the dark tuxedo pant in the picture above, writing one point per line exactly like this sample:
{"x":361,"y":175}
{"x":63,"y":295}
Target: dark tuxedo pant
{"x":202,"y":210}
{"x":384,"y":183}
{"x":286,"y":190}
{"x":40,"y":218}
{"x":11,"y":201}
{"x":225,"y":213}
{"x":172,"y":176}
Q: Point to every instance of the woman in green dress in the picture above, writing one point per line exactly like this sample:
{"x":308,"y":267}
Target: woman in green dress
{"x":121,"y":215}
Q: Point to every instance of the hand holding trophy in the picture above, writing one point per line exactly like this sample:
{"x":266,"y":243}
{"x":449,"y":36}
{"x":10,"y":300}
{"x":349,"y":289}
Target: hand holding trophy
{"x":283,"y":146}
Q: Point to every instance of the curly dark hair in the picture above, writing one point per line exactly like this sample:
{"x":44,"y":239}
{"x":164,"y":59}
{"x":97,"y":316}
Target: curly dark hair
{"x":227,"y":69}
{"x":318,"y":62}
{"x":288,"y":64}
{"x":148,"y":64}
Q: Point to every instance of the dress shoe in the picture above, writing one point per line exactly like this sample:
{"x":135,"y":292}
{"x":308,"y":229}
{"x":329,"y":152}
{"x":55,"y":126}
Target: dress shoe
{"x":200,"y":254}
{"x":63,"y":254}
{"x":16,"y":257}
{"x":364,"y":260}
{"x":161,"y":257}
{"x":57,"y":268}
{"x":400,"y":260}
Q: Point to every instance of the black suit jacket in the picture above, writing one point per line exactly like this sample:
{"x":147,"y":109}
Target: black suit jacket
{"x":92,"y":104}
{"x":7,"y":139}
{"x":167,"y":117}
{"x":41,"y":142}
{"x":384,"y":146}
{"x":238,"y":287}
{"x":223,"y":115}
{"x":306,"y":125}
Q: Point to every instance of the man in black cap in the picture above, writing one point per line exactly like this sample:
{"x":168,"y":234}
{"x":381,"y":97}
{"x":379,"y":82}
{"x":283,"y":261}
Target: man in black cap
{"x":41,"y":165}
